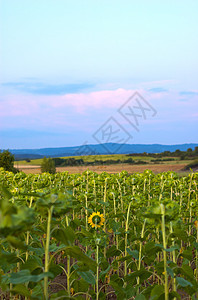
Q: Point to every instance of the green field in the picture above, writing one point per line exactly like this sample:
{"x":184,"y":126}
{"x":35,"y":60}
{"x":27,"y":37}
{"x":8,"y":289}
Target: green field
{"x":122,"y":157}
{"x":98,"y":236}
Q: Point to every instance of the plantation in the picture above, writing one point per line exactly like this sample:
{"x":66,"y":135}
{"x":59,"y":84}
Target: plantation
{"x":98,"y":236}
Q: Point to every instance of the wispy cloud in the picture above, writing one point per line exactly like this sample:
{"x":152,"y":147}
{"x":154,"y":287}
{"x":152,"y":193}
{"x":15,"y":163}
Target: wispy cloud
{"x":158,"y":90}
{"x":24,"y":133}
{"x":189,"y":93}
{"x":40,"y":88}
{"x":80,"y":114}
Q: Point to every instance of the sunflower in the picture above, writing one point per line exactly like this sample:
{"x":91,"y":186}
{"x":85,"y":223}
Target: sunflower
{"x":196,"y":224}
{"x":96,"y":220}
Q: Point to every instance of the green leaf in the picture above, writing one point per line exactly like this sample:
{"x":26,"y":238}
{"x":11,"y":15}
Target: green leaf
{"x":157,"y":291}
{"x":55,"y":269}
{"x":180,"y":234}
{"x":172,"y":248}
{"x":195,"y":245}
{"x":133,"y":253}
{"x":76,"y":252}
{"x":140,"y":297}
{"x":6,"y":193}
{"x":32,"y":263}
{"x":88,"y":276}
{"x":80,"y":285}
{"x":16,"y":243}
{"x":118,"y":289}
{"x":170,"y":272}
{"x":143,"y":274}
{"x":9,"y":258}
{"x":187,"y":254}
{"x":103,"y":273}
{"x":183,"y":282}
{"x":130,"y":290}
{"x":61,"y":295}
{"x":65,"y":235}
{"x":188,"y":272}
{"x":173,"y":295}
{"x":21,"y":289}
{"x":25,"y":276}
{"x":113,"y":251}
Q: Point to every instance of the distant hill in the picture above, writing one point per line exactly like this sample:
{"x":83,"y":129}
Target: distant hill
{"x":108,"y":148}
{"x":21,"y":156}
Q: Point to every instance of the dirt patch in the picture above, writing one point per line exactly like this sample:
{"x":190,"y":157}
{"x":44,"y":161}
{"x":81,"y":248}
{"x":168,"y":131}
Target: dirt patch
{"x":156,"y":168}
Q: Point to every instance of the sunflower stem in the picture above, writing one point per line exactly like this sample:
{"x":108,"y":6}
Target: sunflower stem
{"x":97,"y":269}
{"x":164,"y":251}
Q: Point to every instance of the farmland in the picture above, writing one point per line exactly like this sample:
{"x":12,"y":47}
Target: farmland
{"x":140,"y":164}
{"x":156,"y":168}
{"x":99,"y":236}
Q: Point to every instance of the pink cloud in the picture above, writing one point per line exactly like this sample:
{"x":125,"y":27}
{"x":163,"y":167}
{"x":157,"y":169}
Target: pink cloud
{"x":38,"y":106}
{"x":96,"y":100}
{"x":13,"y":105}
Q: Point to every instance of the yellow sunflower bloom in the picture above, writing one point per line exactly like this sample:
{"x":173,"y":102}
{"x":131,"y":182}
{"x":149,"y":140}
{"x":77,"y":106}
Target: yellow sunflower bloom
{"x":196,"y":224}
{"x":96,"y":220}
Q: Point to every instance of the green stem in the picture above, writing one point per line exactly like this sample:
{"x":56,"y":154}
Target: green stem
{"x":162,"y":188}
{"x":189,"y":190}
{"x":149,"y":190}
{"x":104,"y":211}
{"x":174,"y":260}
{"x":197,"y":256}
{"x":86,"y":212}
{"x":28,"y":233}
{"x":97,"y":271}
{"x":164,"y":252}
{"x":68,"y":265}
{"x":68,"y":275}
{"x":140,"y":251}
{"x":171,"y":196}
{"x":126,"y":234}
{"x":47,"y":244}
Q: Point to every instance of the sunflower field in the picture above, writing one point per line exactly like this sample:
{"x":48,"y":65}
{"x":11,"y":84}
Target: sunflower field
{"x":98,"y":236}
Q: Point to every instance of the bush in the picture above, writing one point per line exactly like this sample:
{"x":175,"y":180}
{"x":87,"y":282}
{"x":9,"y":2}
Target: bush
{"x":7,"y":161}
{"x":192,"y":165}
{"x":58,"y":161}
{"x":48,"y":165}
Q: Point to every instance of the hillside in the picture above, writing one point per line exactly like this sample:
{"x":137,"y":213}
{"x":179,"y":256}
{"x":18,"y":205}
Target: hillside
{"x":108,"y":148}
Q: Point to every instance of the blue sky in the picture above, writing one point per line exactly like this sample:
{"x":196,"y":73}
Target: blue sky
{"x":66,"y":67}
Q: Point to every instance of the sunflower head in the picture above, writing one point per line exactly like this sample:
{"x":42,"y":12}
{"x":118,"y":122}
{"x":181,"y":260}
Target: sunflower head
{"x":196,"y":224}
{"x":96,"y":220}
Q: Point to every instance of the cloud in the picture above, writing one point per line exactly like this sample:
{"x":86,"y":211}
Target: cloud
{"x":24,"y":105}
{"x":68,"y":109}
{"x":78,"y":115}
{"x":25,"y":133}
{"x":40,"y":88}
{"x":95,"y":100}
{"x":189,"y":93}
{"x":158,"y":90}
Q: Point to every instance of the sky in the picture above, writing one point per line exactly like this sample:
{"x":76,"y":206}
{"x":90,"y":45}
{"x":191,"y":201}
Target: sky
{"x":87,"y":72}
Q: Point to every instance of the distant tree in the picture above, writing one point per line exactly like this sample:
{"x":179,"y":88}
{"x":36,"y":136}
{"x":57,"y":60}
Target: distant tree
{"x":59,"y":161}
{"x":189,"y":150}
{"x":196,"y":150}
{"x":48,"y":165}
{"x":182,"y":156}
{"x":166,"y":153}
{"x":7,"y":161}
{"x":178,"y":152}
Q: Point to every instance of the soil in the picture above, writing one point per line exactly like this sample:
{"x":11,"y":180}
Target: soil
{"x":156,"y":168}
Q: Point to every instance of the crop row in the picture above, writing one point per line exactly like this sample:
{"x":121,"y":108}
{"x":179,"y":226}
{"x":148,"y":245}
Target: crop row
{"x":98,"y":236}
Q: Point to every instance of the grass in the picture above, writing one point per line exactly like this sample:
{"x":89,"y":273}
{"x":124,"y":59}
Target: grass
{"x":122,"y":157}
